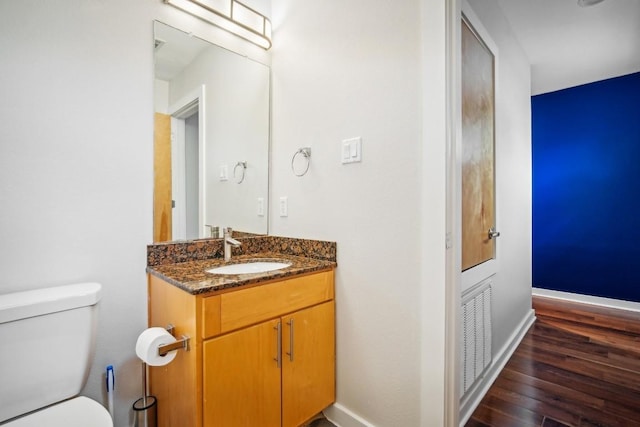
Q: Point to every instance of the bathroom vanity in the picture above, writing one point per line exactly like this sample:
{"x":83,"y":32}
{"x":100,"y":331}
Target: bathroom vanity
{"x":262,"y":345}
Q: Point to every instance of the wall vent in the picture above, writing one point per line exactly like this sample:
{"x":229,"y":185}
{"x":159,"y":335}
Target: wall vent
{"x":157,"y":44}
{"x":476,"y":334}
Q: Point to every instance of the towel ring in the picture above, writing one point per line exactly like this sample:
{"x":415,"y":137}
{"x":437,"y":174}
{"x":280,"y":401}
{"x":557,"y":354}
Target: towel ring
{"x":243,"y":165}
{"x":306,"y":152}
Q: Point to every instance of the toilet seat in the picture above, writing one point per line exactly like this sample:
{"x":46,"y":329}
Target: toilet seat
{"x":77,"y":412}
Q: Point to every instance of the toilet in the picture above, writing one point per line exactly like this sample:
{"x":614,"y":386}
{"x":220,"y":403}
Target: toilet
{"x":47,"y":343}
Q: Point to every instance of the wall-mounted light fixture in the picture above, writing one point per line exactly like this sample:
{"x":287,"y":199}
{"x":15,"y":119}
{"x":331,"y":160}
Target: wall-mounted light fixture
{"x":231,"y":15}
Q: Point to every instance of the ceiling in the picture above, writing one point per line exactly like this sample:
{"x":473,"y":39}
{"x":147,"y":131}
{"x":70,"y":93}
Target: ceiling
{"x":174,"y":50}
{"x":568,"y":45}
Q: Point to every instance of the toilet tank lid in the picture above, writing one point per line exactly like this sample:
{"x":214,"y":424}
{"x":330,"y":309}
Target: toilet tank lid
{"x":38,"y":302}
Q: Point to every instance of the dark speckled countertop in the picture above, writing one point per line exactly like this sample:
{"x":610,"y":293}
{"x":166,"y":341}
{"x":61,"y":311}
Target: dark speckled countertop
{"x":188,"y":272}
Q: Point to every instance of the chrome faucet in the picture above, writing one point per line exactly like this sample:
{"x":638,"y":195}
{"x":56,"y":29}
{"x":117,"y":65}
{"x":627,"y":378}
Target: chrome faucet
{"x":228,"y":242}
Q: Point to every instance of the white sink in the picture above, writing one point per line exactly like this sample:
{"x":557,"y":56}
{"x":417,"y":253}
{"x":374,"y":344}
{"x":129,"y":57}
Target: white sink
{"x":249,"y":267}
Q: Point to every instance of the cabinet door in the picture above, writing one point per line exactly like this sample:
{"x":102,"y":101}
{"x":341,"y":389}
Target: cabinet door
{"x":308,"y":367}
{"x":242,"y":378}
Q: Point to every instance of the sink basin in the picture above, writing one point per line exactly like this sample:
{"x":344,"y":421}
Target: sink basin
{"x":249,"y":267}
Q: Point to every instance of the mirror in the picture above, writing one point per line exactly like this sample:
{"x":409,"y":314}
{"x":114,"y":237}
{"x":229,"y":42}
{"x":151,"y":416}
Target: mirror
{"x":211,"y":139}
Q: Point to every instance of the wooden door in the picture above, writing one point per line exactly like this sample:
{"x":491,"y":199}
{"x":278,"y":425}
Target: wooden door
{"x":242,"y":378}
{"x":308,"y":367}
{"x":478,"y":177}
{"x":162,"y":178}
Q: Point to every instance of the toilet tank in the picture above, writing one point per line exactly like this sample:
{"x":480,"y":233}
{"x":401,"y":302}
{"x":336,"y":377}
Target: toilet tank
{"x":47,"y":342}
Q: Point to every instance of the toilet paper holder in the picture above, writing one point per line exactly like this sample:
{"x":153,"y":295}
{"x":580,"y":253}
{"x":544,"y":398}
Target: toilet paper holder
{"x":182,"y":343}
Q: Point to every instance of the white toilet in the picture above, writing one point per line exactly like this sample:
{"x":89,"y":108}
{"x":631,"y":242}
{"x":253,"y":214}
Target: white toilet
{"x":47,"y":342}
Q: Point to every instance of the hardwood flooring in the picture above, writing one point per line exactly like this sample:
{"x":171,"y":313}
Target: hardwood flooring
{"x":578,"y":366}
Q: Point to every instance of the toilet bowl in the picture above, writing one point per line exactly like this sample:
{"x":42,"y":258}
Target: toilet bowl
{"x":48,"y":342}
{"x":74,"y":412}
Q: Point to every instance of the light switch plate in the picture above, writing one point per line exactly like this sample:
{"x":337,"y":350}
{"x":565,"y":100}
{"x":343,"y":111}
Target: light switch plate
{"x":224,"y":173}
{"x":352,"y":150}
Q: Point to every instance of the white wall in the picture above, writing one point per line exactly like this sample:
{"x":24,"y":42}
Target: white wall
{"x":76,"y":159}
{"x":161,"y":96}
{"x":349,"y":69}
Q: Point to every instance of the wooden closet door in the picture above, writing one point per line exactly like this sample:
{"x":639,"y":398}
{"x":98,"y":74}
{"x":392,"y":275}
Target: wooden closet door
{"x":478,"y":159}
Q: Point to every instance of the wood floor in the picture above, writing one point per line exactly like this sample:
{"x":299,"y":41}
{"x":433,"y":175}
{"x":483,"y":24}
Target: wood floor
{"x":578,"y":366}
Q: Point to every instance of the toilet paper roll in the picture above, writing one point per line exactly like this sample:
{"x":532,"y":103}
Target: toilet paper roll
{"x":148,"y":343}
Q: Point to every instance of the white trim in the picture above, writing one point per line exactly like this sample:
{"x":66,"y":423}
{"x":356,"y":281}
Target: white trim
{"x":439,"y":322}
{"x":588,"y":299}
{"x":343,"y":417}
{"x":453,"y":218}
{"x":187,"y":105}
{"x":479,"y":273}
{"x":482,"y":32}
{"x":475,"y":395}
{"x":202,"y":144}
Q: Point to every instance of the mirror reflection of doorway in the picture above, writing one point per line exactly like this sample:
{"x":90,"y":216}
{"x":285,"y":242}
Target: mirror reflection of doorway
{"x":186,"y":170}
{"x":178,"y":170}
{"x":191,"y":171}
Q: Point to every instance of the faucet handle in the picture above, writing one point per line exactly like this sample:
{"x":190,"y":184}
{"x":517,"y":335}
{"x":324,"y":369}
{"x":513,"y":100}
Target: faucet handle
{"x":228,"y":232}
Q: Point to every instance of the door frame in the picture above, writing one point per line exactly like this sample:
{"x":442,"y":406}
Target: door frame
{"x":453,"y":217}
{"x":179,"y":111}
{"x":454,"y":284}
{"x":477,"y":274}
{"x":459,"y":281}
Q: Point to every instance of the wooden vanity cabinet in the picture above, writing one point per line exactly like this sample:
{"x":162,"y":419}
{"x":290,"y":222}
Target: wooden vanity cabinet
{"x":308,"y":363}
{"x":281,"y":366}
{"x":261,"y":356}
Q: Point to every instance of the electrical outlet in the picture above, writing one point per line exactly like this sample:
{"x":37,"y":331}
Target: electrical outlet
{"x":260,"y":206}
{"x":284,"y":208}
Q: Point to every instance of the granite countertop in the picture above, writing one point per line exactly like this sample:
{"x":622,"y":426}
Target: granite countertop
{"x":192,"y":277}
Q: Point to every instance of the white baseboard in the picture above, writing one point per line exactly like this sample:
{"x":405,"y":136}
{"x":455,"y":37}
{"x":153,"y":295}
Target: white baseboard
{"x":343,"y":417}
{"x":475,"y":395}
{"x":588,"y":299}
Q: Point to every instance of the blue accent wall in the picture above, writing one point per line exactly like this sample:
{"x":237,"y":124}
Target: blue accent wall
{"x":586,"y":189}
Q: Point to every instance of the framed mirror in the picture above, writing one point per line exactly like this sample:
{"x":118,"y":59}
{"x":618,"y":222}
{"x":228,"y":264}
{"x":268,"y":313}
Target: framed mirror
{"x":211,"y":139}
